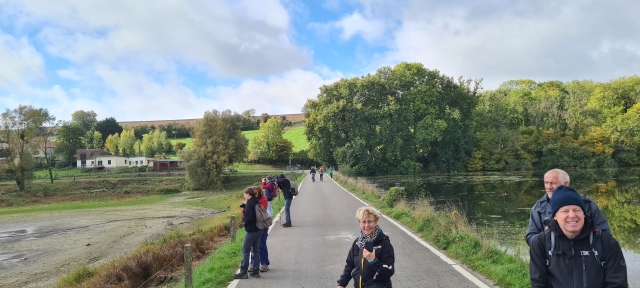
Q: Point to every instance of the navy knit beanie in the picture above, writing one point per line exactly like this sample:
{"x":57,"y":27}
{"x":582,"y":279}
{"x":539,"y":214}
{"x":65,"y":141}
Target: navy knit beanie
{"x":564,"y":196}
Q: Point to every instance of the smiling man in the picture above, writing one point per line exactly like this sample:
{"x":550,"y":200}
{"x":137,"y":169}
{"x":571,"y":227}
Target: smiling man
{"x":571,"y":253}
{"x":541,"y":212}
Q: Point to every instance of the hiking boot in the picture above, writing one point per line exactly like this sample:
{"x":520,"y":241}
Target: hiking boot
{"x":241,"y":276}
{"x":264,"y":268}
{"x":286,"y":225}
{"x":255,"y":275}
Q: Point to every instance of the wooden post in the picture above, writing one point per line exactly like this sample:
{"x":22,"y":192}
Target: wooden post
{"x":188,"y":281}
{"x":233,"y":228}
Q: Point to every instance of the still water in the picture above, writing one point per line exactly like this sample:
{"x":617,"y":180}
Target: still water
{"x":498,"y":204}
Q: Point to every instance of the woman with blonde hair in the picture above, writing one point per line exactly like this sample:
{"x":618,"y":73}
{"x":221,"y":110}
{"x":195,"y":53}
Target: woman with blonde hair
{"x":371,"y":257}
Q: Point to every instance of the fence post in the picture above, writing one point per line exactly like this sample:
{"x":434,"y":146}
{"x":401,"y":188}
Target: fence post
{"x":232,"y":226}
{"x":188,"y":281}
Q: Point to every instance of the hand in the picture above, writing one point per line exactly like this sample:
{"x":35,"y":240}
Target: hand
{"x":369,"y":255}
{"x":340,"y":287}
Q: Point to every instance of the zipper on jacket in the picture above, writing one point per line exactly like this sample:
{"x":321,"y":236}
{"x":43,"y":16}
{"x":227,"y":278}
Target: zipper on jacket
{"x":584,"y":274}
{"x":573,"y":253}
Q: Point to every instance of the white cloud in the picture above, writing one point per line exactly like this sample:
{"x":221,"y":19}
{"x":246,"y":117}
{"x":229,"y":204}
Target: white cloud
{"x":222,"y":38}
{"x":20,"y":61}
{"x":277,"y":95}
{"x":354,"y":24}
{"x":505,"y":40}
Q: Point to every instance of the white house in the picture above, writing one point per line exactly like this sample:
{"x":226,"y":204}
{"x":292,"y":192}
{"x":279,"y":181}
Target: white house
{"x":98,"y":158}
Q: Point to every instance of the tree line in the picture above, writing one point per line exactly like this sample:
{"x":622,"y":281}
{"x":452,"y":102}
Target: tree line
{"x":407,"y":119}
{"x":217,"y":142}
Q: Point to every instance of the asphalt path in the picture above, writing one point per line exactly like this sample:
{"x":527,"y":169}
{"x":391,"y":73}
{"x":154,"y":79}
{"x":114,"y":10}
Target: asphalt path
{"x":312,"y":253}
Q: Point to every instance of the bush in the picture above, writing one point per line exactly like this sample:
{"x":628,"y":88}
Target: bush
{"x":393,"y":195}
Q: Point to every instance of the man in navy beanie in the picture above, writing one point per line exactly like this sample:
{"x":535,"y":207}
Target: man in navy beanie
{"x":567,"y":254}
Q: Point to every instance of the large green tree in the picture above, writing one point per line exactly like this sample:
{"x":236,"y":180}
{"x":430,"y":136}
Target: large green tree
{"x":269,"y":146}
{"x":217,"y":143}
{"x":69,"y":140}
{"x":395,"y":121}
{"x":19,"y":131}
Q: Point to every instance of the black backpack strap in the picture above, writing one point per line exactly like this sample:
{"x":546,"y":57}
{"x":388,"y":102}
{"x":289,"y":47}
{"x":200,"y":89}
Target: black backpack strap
{"x":550,"y":243}
{"x":596,"y":246}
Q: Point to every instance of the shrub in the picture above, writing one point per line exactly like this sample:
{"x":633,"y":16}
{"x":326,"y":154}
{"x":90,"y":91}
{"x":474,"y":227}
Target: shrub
{"x":393,"y":195}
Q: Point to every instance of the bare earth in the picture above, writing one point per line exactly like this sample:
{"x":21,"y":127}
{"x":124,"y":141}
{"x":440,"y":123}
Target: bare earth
{"x":35,"y":249}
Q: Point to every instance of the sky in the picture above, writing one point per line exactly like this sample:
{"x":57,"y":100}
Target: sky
{"x":162,"y":59}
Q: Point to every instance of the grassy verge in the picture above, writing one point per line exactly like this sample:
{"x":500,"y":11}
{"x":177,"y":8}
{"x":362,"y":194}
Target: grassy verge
{"x":447,"y":230}
{"x":217,"y":271}
{"x":159,"y":263}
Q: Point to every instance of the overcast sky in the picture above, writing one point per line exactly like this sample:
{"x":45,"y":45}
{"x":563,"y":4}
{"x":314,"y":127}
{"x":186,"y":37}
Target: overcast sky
{"x":161,"y":59}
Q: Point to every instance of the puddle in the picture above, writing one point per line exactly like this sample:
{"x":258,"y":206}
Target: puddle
{"x":18,"y":232}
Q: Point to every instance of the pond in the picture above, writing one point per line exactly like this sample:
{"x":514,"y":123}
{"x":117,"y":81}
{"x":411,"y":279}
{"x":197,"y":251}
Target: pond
{"x":498,"y":203}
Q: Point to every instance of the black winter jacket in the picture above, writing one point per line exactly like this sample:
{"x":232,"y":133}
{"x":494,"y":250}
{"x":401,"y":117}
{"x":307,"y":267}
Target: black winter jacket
{"x":362,"y":271}
{"x":249,"y":218}
{"x":285,"y":186}
{"x":575,"y":265}
{"x":542,"y":210}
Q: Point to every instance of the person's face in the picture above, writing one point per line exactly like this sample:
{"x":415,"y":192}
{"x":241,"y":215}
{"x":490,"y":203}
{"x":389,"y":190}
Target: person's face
{"x":571,"y":219}
{"x":551,"y":182}
{"x":247,"y":196}
{"x":368,"y":224}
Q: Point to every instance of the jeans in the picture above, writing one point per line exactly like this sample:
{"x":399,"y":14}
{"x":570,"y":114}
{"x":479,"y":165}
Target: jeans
{"x":287,"y":205}
{"x":270,"y":208}
{"x":251,"y":243}
{"x":264,"y":253}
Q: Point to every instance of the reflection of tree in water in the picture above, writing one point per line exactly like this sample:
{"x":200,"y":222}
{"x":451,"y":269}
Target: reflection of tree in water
{"x":619,"y":203}
{"x":499,"y":203}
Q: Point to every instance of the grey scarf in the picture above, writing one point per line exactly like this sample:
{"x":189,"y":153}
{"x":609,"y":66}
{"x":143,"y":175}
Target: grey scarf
{"x":364,"y":238}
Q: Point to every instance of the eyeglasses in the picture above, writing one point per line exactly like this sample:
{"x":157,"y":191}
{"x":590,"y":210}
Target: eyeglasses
{"x":370,"y":222}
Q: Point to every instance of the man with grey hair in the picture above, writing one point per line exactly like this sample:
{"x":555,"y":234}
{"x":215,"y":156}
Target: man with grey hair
{"x":541,"y":211}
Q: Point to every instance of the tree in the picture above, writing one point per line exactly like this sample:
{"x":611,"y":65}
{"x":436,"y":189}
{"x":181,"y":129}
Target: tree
{"x":45,"y":124}
{"x":86,"y":119}
{"x":179,"y":146}
{"x":19,"y":132}
{"x":269,"y":145}
{"x":69,"y":140}
{"x":112,"y":143}
{"x":217,"y":143}
{"x":98,"y":143}
{"x":108,"y":126}
{"x":126,"y":143}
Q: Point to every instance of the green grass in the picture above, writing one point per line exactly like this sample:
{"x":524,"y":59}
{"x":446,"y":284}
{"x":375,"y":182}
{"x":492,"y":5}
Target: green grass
{"x":296,"y":135}
{"x":250,"y":135}
{"x":251,"y":166}
{"x":98,"y":203}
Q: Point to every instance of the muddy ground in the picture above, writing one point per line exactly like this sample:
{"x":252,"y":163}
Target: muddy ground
{"x":36,"y":249}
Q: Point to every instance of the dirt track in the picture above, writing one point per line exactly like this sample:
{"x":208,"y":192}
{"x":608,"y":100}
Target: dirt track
{"x":35,"y":249}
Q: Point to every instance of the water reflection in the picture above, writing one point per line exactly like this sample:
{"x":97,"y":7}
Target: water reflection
{"x":498,"y":204}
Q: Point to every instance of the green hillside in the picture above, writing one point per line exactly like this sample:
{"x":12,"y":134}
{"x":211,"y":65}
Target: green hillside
{"x":295,"y":134}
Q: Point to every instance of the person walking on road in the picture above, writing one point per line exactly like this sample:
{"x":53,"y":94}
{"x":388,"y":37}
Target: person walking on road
{"x":264,"y":253}
{"x":540,"y":216}
{"x":572,"y":253}
{"x":285,"y":186}
{"x":321,"y":173}
{"x":331,"y":172}
{"x":371,"y":258}
{"x":252,"y":237}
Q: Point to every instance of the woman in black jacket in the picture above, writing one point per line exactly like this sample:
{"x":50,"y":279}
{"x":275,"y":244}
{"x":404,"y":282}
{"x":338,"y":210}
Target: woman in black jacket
{"x":369,"y":267}
{"x":252,"y":237}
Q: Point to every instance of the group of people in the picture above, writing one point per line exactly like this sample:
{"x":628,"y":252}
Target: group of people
{"x":254,"y":246}
{"x":321,"y":171}
{"x":570,"y":241}
{"x":569,"y":238}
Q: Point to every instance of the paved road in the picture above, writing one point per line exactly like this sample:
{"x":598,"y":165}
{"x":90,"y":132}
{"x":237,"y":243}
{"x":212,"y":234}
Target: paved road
{"x":312,"y":253}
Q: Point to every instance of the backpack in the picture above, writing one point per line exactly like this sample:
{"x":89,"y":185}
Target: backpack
{"x":263,"y":220}
{"x":271,"y":192}
{"x":596,"y":247}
